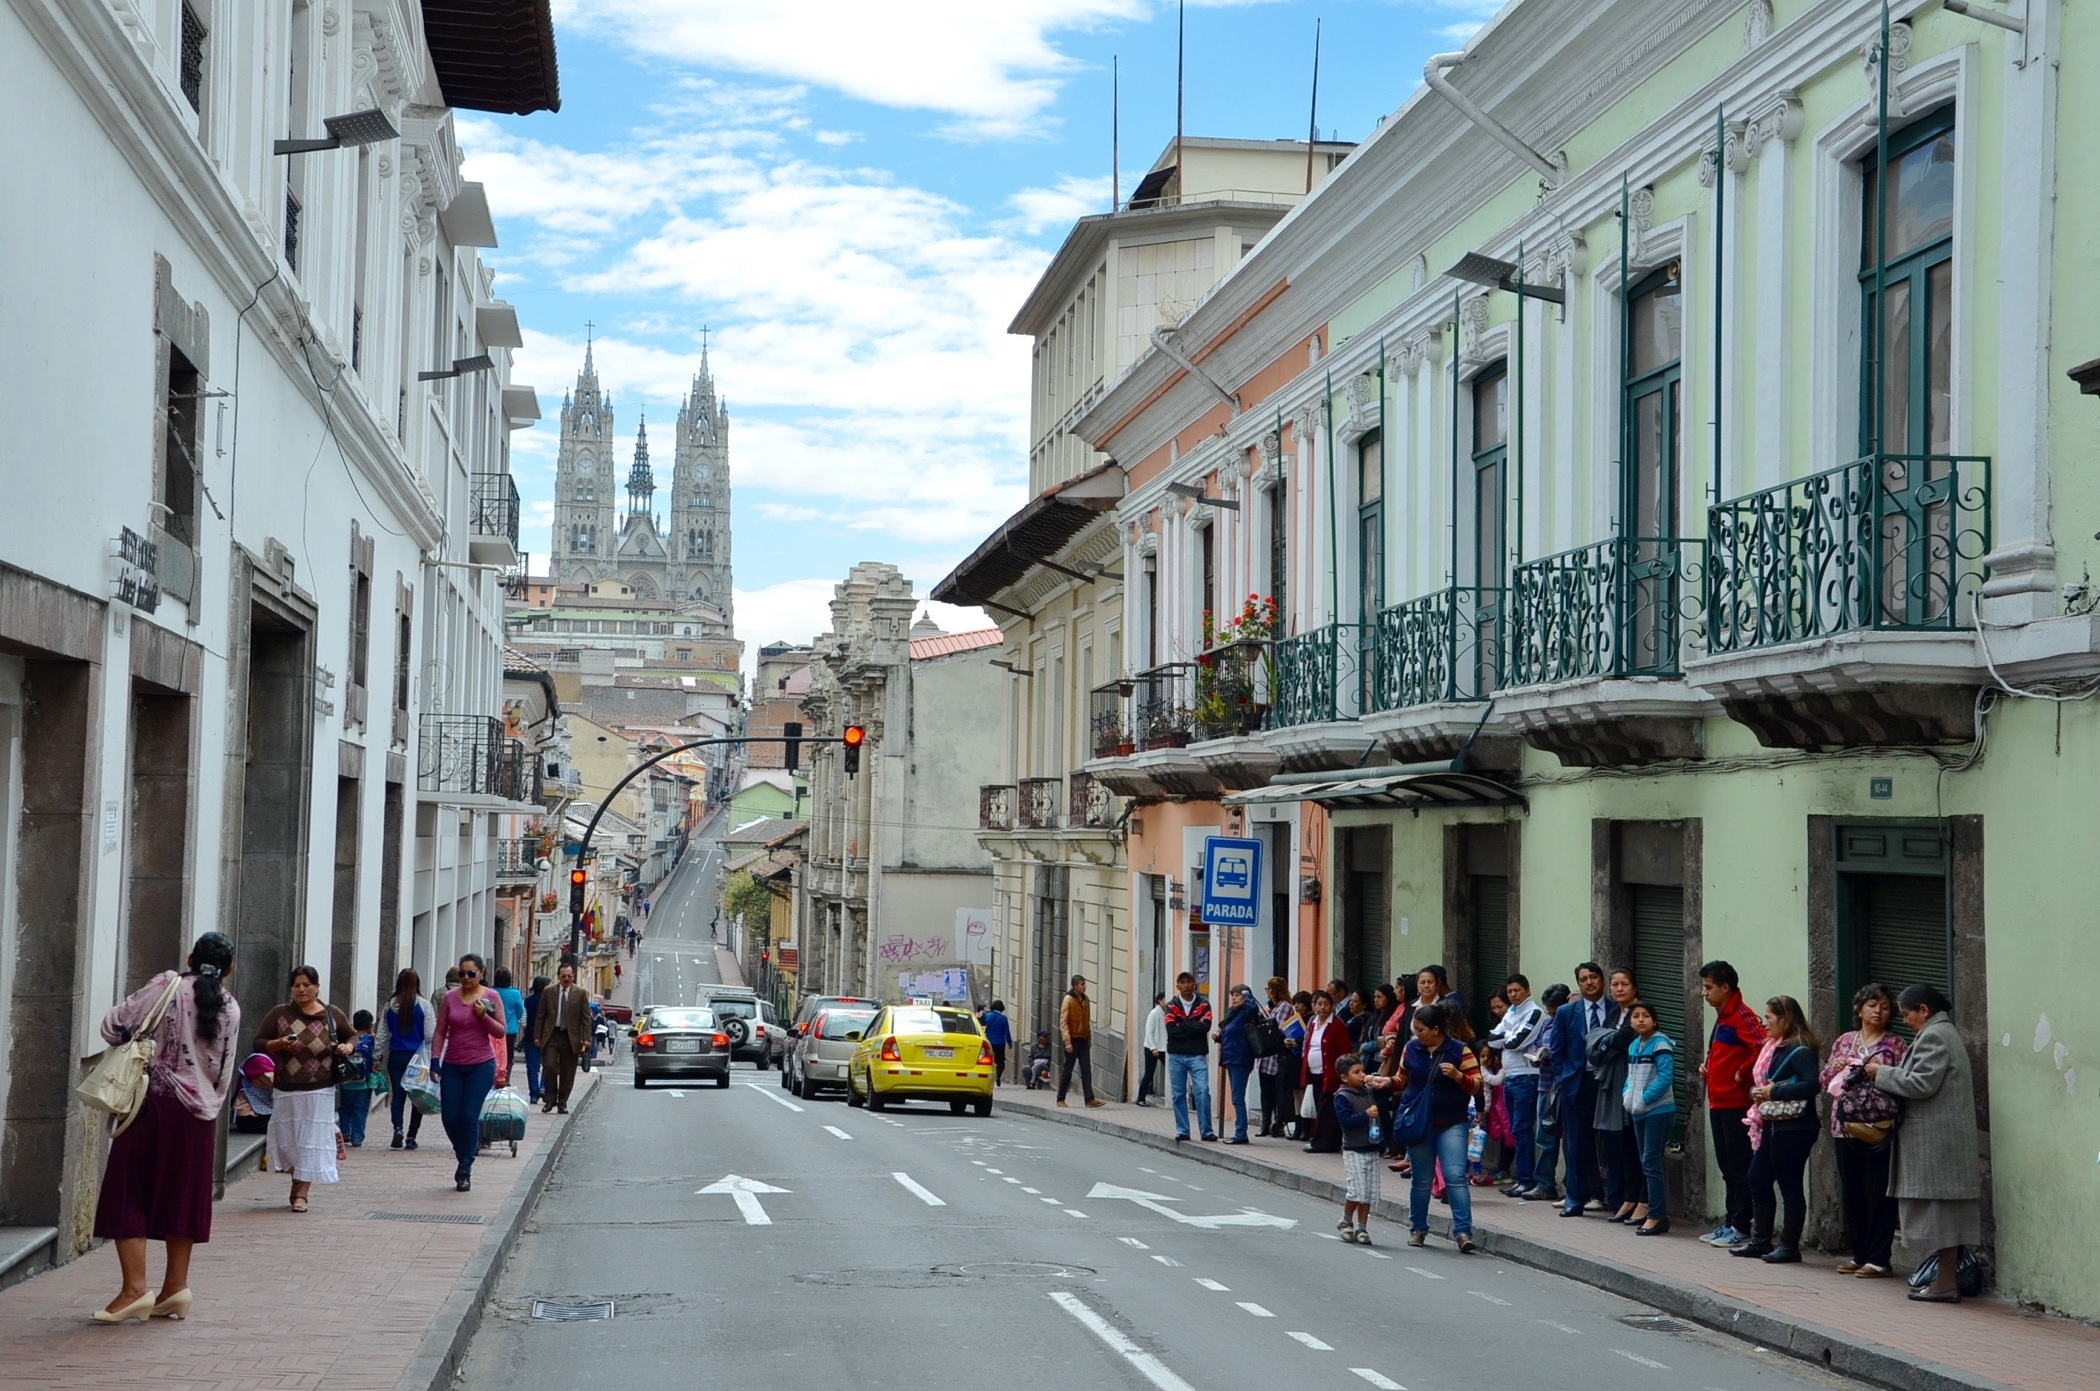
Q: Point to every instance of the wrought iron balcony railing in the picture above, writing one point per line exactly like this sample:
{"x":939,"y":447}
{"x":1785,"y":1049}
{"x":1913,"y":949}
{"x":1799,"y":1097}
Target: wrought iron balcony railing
{"x":1161,"y":706}
{"x":517,"y":858}
{"x":995,"y":807}
{"x":495,"y":506}
{"x":1109,"y":716}
{"x":1445,"y":646}
{"x":1092,"y":804}
{"x":1320,"y":675}
{"x":1891,"y":541}
{"x":1614,"y":608}
{"x":1231,"y":689}
{"x":464,"y":754}
{"x":1036,"y":806}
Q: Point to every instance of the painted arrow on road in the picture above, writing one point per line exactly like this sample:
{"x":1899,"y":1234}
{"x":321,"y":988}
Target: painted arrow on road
{"x":745,"y":1191}
{"x":1157,"y":1202}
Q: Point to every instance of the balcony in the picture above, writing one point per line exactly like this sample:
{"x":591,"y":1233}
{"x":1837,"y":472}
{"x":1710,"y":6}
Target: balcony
{"x":517,"y":860}
{"x":1092,"y":806}
{"x":995,"y":807}
{"x":1142,"y":728}
{"x":493,"y":532}
{"x":1036,"y":803}
{"x":1837,"y":605}
{"x":466,"y":756}
{"x":1436,"y":659}
{"x":1593,"y":652}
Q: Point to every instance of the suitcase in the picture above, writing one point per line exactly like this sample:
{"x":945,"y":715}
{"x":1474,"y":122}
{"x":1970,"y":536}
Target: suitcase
{"x":503,"y":1118}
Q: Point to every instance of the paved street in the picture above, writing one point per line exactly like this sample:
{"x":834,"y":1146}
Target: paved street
{"x":677,"y":953}
{"x":877,"y":1249}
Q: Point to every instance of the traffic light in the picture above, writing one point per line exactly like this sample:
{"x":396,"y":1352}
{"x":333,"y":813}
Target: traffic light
{"x":792,"y":731}
{"x":853,"y":738}
{"x":577,"y":878}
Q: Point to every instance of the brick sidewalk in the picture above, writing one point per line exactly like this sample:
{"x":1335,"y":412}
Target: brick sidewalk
{"x":332,"y":1299}
{"x":1981,"y":1343}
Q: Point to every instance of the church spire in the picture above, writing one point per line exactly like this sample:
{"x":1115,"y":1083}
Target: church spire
{"x":641,"y":484}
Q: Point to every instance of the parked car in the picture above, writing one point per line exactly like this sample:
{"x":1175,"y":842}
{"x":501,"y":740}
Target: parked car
{"x":921,"y":1053}
{"x":755,"y":1032}
{"x":817,"y":1056}
{"x":680,"y":1042}
{"x":798,"y":1031}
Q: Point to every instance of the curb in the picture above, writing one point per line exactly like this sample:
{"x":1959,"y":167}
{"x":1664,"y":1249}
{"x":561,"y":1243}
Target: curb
{"x":444,"y":1346}
{"x":1868,"y":1362}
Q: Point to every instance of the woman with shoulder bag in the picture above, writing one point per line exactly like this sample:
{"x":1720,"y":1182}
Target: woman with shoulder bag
{"x":404,"y":1035}
{"x":1935,"y":1174}
{"x":158,"y":1183}
{"x":467,"y":1041}
{"x":1782,"y":1122}
{"x":305,"y":1038}
{"x":1862,"y":1122}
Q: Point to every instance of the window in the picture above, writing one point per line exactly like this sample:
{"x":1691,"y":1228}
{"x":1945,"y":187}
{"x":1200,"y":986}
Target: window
{"x":177,"y":495}
{"x":1208,"y":544}
{"x":1655,"y":349}
{"x":1370,"y":528}
{"x":1151,"y":612}
{"x":361,"y":557}
{"x":1490,"y":488}
{"x":359,"y":269}
{"x":291,"y":230}
{"x":1917,"y":279}
{"x":441,"y":317}
{"x":192,"y":63}
{"x":1279,"y":553}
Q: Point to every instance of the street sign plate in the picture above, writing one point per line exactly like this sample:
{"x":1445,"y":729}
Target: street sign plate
{"x":1232,"y":881}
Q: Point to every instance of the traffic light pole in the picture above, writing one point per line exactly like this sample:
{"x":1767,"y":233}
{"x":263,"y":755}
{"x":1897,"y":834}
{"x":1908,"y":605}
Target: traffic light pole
{"x":583,"y":851}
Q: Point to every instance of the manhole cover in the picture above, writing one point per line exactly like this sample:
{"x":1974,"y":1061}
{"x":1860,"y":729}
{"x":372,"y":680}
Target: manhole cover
{"x":1045,"y":1270}
{"x":915,"y":1279}
{"x":566,"y":1311}
{"x":1654,"y":1323}
{"x":455,"y":1218}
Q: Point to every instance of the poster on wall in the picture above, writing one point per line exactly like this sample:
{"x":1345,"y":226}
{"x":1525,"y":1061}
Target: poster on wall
{"x":951,"y":985}
{"x":973,"y":936}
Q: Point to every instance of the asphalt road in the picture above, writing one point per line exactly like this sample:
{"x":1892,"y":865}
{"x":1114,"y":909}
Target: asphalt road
{"x":917,"y":1248}
{"x":677,"y":954}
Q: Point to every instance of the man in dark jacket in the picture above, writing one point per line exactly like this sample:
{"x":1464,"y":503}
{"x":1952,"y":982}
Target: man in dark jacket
{"x":1731,"y":1052}
{"x":1236,"y":1055}
{"x":1188,"y":1057}
{"x":1578,"y":1090}
{"x":1075,"y":1029}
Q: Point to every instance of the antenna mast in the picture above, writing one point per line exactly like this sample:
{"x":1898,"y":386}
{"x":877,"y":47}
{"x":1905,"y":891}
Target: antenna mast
{"x":1181,"y":53}
{"x":1115,"y":133}
{"x":1312,"y":124}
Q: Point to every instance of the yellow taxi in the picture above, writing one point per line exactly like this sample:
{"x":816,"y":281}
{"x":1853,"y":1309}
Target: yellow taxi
{"x":921,"y":1052}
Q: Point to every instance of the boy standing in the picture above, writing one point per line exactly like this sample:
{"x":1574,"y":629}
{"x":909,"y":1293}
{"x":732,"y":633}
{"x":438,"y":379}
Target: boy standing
{"x":353,"y":1100}
{"x":1358,"y":1114}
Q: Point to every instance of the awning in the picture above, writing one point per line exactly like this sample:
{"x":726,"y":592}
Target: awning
{"x":1372,"y":788}
{"x":493,"y":55}
{"x":1030,"y":537}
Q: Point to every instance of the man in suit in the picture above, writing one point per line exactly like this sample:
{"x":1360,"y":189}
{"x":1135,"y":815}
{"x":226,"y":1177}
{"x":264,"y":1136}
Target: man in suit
{"x":564,"y":1028}
{"x":1578,"y":1090}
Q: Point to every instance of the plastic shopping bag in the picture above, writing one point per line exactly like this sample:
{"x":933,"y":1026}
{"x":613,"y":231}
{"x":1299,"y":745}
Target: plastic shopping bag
{"x":503,"y":1116}
{"x":420,"y":1087}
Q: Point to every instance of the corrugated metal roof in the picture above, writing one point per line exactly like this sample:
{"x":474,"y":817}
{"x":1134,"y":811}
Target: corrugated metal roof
{"x":493,"y":55}
{"x":948,"y":644}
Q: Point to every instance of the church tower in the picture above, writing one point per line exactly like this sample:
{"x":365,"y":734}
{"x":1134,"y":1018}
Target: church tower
{"x":584,"y":486}
{"x":700,"y":498}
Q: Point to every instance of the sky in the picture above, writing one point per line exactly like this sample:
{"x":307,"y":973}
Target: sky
{"x":848,"y":202}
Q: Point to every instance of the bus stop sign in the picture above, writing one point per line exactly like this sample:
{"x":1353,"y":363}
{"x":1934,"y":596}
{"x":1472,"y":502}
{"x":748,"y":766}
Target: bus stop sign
{"x":1231,"y":881}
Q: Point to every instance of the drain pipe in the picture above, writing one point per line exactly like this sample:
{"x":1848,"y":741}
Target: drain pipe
{"x":1161,"y":341}
{"x":1433,"y":74}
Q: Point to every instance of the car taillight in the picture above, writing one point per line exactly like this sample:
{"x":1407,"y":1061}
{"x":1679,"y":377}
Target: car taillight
{"x":984,"y":1055}
{"x":646,"y":1041}
{"x":889,"y":1051}
{"x":721,"y":1040}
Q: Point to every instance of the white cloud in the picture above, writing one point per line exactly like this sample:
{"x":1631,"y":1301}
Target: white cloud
{"x":1072,"y":198}
{"x":993,"y":66}
{"x":1463,"y":30}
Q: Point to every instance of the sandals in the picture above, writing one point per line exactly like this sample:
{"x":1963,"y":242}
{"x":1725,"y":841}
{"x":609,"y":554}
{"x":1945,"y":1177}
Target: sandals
{"x":299,"y":1204}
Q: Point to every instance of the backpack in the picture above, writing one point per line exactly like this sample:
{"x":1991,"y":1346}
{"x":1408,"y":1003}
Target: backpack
{"x":1411,"y":1119}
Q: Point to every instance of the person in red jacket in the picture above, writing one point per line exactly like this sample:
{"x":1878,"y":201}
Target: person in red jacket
{"x":1730,"y":1054}
{"x":1320,"y":1067}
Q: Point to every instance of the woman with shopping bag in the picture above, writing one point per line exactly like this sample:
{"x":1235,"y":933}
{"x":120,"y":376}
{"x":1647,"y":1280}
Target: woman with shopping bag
{"x":468,"y":1045}
{"x":404,"y":1039}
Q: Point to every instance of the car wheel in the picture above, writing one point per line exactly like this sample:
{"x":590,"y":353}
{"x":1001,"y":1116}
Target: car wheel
{"x":641,"y":1083}
{"x":875,"y":1101}
{"x":984,"y":1107}
{"x":955,"y":1108}
{"x":723,"y":1080}
{"x":853,"y":1098}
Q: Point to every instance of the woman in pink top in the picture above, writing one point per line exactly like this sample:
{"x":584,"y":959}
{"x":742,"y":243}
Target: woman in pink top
{"x":467,"y":1044}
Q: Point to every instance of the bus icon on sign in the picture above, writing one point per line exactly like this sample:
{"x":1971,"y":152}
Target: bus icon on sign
{"x":1234,"y":870}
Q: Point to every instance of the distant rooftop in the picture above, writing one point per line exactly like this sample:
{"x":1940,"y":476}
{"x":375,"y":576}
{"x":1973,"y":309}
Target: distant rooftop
{"x":949,"y":644}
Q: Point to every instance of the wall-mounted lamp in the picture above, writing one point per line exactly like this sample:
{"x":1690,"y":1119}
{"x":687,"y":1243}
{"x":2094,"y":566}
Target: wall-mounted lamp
{"x":357,"y":128}
{"x":1191,"y":491}
{"x":460,"y":367}
{"x":1476,"y":269}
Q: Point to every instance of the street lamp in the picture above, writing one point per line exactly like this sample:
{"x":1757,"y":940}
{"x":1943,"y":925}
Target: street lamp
{"x":357,"y":128}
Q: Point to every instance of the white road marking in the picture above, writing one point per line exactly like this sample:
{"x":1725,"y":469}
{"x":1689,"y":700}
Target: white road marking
{"x":1483,"y":1294}
{"x":838,"y":1132}
{"x":1212,"y":1285}
{"x":1153,"y":1370}
{"x":980,"y":1164}
{"x":919,"y":1191}
{"x":992,"y":1171}
{"x":745,"y":1191}
{"x":1157,"y":1202}
{"x":1167,"y":1260}
{"x":1031,"y":1191}
{"x":1073,"y":1210}
{"x":1425,"y":1274}
{"x":1310,"y":1341}
{"x":1562,"y":1327}
{"x":679,"y":1095}
{"x":1058,"y":1201}
{"x":1636,"y":1357}
{"x":1378,"y":1255}
{"x":767,"y":1093}
{"x":1010,"y":1179}
{"x":1256,"y":1310}
{"x":1133,"y":1241}
{"x":1331,"y":1236}
{"x":1383,"y":1383}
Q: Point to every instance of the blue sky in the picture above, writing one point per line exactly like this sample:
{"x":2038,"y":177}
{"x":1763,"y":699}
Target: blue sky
{"x":854,"y":198}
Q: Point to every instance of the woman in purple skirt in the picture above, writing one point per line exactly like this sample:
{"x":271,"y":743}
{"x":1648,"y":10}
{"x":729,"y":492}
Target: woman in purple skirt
{"x":158,"y":1184}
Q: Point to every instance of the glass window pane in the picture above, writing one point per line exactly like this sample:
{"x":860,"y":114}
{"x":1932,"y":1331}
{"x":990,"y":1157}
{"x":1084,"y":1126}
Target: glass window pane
{"x":1490,"y":409}
{"x":1649,"y":462}
{"x":1371,"y":554}
{"x":1488,"y":541}
{"x":1921,"y":208}
{"x":1939,"y":351}
{"x":1896,"y":370}
{"x":1370,"y":471}
{"x":1658,"y":329}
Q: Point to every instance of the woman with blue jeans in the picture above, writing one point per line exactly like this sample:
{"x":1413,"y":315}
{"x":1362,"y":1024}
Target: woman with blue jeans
{"x":1447,"y":1068}
{"x":1651,"y":1103}
{"x":404,"y":1031}
{"x":1236,"y":1055}
{"x":468,"y":1044}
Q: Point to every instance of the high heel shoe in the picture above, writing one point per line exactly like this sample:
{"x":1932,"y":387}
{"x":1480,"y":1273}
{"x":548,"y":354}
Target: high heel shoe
{"x":175,"y":1306}
{"x":140,"y":1309}
{"x":1657,"y":1230}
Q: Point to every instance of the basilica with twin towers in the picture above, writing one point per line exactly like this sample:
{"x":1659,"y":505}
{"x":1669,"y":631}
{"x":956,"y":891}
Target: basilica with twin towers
{"x":599,"y":534}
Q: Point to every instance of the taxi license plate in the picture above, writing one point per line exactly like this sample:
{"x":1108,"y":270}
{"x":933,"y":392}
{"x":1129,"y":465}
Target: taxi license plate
{"x":939,"y":1052}
{"x":682,"y":1045}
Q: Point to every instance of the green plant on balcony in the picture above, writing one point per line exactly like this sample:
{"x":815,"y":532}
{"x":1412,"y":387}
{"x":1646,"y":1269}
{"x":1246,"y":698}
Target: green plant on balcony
{"x":1228,"y":696}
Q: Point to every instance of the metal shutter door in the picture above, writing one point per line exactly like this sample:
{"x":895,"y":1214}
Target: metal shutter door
{"x":1490,"y":957}
{"x":1900,"y":921}
{"x":1364,"y":956}
{"x":1658,"y":972}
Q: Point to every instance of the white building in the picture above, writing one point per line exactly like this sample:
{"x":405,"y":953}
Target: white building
{"x":250,"y":620}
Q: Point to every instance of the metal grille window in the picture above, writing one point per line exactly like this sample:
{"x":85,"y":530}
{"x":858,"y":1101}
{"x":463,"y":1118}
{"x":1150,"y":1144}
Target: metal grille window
{"x":1658,"y":971}
{"x":192,"y":62}
{"x":291,"y":230}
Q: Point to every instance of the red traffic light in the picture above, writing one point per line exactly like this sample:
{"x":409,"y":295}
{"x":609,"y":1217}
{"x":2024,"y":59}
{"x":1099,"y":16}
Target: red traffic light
{"x":577,"y":877}
{"x":854,"y":736}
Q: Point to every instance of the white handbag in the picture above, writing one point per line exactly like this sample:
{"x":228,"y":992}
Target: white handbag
{"x":117,"y":1082}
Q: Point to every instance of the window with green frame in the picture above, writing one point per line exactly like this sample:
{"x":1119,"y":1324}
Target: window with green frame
{"x":1653,"y":404}
{"x":1490,"y":468}
{"x":1916,"y":276}
{"x":1370,"y":528}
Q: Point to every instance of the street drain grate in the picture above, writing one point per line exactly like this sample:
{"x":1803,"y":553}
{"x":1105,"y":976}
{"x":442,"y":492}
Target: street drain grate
{"x":454,"y":1218}
{"x":564,"y":1311}
{"x":1654,"y":1323}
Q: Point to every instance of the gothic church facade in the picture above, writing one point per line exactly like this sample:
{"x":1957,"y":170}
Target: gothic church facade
{"x":683,"y":566}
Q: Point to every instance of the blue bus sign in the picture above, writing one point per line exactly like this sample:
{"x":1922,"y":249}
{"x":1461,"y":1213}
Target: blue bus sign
{"x":1231,"y":881}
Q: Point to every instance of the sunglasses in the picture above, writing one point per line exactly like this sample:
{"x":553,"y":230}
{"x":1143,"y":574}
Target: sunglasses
{"x":470,"y":975}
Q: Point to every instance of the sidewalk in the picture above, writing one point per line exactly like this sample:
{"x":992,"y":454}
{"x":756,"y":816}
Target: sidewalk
{"x":1860,"y":1328}
{"x":378,"y":1288}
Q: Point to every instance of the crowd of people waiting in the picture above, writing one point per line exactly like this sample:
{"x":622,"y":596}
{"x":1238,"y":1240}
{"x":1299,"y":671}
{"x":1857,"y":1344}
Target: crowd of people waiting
{"x":1571,"y":1097}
